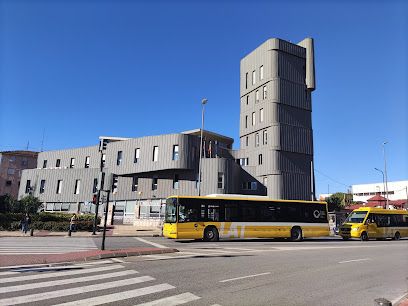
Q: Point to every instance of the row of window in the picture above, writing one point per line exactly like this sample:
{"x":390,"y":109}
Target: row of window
{"x":115,"y":181}
{"x":257,"y":139}
{"x":71,"y":163}
{"x":155,"y":155}
{"x":256,"y":95}
{"x":261,"y":118}
{"x":261,"y":76}
{"x":383,"y":193}
{"x":24,"y":160}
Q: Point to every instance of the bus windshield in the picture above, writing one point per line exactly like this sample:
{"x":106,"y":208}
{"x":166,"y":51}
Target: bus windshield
{"x":171,"y":208}
{"x":356,"y":217}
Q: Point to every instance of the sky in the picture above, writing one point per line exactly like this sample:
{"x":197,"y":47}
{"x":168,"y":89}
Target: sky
{"x":71,"y":71}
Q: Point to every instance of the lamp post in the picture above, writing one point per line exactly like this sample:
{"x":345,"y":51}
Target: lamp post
{"x":382,"y":176}
{"x":385,"y":171}
{"x":203,"y":103}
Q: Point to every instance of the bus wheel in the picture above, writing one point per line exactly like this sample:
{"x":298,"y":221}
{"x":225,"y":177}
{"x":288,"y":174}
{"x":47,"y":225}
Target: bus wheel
{"x":211,"y":234}
{"x":345,"y":238}
{"x":397,"y":236}
{"x":296,"y":234}
{"x":364,"y":236}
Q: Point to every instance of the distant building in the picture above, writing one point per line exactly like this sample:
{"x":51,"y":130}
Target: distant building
{"x":397,"y":190}
{"x":12,"y":163}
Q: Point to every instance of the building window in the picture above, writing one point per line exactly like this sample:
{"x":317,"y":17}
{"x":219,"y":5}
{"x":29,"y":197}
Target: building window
{"x":28,"y":186}
{"x":265,"y":93}
{"x":220,"y":180}
{"x":11,"y":171}
{"x":249,"y":185}
{"x":59,"y":186}
{"x":24,"y":162}
{"x":135,"y":183}
{"x":155,"y":153}
{"x":260,"y":159}
{"x":72,"y":163}
{"x":87,"y":161}
{"x":77,"y":186}
{"x":253,"y":77}
{"x":247,"y":99}
{"x":103,"y":160}
{"x":253,"y":118}
{"x":95,"y":185}
{"x":244,"y":161}
{"x":42,"y":186}
{"x":175,"y":152}
{"x":119,"y":158}
{"x":154,"y":183}
{"x":261,"y":115}
{"x":265,"y":181}
{"x":137,"y":155}
{"x":8,"y":183}
{"x":257,"y":140}
{"x":44,"y":164}
{"x":58,"y":163}
{"x":257,"y":96}
{"x":265,"y":137}
{"x":176,"y":181}
{"x":246,"y":80}
{"x":261,"y":72}
{"x":246,"y":141}
{"x":246,"y":121}
{"x":115,"y":182}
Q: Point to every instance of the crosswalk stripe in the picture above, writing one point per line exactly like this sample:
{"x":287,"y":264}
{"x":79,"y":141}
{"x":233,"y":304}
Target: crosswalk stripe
{"x":57,"y":274}
{"x":172,"y":300}
{"x":73,"y":291}
{"x":8,"y":273}
{"x":110,"y":298}
{"x":65,"y":281}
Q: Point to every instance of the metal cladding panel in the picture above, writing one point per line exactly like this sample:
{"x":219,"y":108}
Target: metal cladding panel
{"x":210,"y":169}
{"x":65,"y":158}
{"x":145,"y":163}
{"x":308,"y":44}
{"x":292,"y":68}
{"x":289,"y":93}
{"x":291,"y":139}
{"x":68,"y":177}
{"x":290,"y":116}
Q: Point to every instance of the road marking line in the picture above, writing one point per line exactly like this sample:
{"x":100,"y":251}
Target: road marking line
{"x":172,"y":300}
{"x":79,"y":290}
{"x":151,"y":243}
{"x":35,"y":285}
{"x":118,"y":260}
{"x":8,"y":273}
{"x":57,"y":274}
{"x":354,"y":260}
{"x":242,"y":277}
{"x":110,"y":298}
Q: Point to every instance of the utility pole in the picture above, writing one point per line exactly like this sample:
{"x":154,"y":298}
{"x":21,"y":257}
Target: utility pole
{"x":203,"y":103}
{"x":100,"y":185}
{"x":385,"y":170}
{"x":106,"y":220}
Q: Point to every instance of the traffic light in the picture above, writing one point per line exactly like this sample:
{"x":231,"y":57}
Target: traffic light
{"x":94,"y":199}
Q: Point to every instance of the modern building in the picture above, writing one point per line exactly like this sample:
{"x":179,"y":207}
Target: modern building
{"x":275,"y":156}
{"x":12,"y":163}
{"x":397,"y":190}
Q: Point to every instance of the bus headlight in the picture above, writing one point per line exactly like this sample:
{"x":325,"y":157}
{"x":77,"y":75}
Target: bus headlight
{"x":355,"y":229}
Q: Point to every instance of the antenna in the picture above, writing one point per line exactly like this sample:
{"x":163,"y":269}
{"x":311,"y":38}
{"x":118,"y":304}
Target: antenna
{"x":28,"y":144}
{"x":42,"y":141}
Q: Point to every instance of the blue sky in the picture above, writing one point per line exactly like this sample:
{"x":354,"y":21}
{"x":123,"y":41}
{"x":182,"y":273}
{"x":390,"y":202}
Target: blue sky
{"x":75,"y":70}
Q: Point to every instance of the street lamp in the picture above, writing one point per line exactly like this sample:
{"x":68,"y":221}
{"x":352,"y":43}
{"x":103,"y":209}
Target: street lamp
{"x":203,"y":103}
{"x":382,"y":176}
{"x":385,"y":170}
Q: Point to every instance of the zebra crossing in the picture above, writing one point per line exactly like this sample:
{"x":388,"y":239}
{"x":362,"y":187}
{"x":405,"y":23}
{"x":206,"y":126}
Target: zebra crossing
{"x":42,"y":245}
{"x":87,"y":284}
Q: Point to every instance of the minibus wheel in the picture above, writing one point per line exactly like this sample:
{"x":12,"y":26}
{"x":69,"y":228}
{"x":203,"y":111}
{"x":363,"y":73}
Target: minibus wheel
{"x":211,"y":234}
{"x":296,"y":234}
{"x":397,"y":236}
{"x":345,"y":238}
{"x":364,"y":236}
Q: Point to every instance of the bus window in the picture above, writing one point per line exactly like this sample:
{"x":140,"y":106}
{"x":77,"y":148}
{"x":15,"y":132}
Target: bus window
{"x":231,"y":212}
{"x":213,"y":212}
{"x":249,"y":212}
{"x":268,"y":213}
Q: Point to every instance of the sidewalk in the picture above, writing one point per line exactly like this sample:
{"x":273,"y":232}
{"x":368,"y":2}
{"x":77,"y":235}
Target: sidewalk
{"x":34,"y":259}
{"x":112,"y":232}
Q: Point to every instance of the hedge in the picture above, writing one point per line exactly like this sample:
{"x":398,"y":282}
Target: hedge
{"x":56,"y":222}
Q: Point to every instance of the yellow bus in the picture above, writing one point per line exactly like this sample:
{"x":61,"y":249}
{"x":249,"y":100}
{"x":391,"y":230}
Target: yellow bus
{"x":368,"y":222}
{"x":234,"y":216}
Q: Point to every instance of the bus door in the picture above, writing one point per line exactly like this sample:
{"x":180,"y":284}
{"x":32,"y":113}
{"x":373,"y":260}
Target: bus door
{"x":190,"y":224}
{"x":371,"y":226}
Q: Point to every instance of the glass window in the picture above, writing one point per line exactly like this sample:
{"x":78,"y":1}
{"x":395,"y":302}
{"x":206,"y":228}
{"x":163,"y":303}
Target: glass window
{"x":213,"y":212}
{"x":95,"y":185}
{"x":261,"y":72}
{"x":232,"y":212}
{"x":261,"y":115}
{"x":176,"y":181}
{"x":253,"y":118}
{"x":246,"y":80}
{"x":253,"y":77}
{"x":135,"y":183}
{"x":154,"y":183}
{"x":87,"y":161}
{"x":256,"y":139}
{"x":72,"y":163}
{"x":220,"y":180}
{"x":137,"y":155}
{"x":249,"y":212}
{"x":28,"y":186}
{"x":10,"y":171}
{"x":247,"y":100}
{"x":175,"y":152}
{"x":170,"y":214}
{"x":119,"y":158}
{"x":42,"y":186}
{"x":246,"y":121}
{"x":265,"y":137}
{"x":247,"y":141}
{"x":103,"y":160}
{"x":356,"y":217}
{"x":77,"y":186}
{"x":115,"y":183}
{"x":256,"y":96}
{"x":155,"y":153}
{"x":260,"y":159}
{"x":58,"y":163}
{"x":265,"y":93}
{"x":59,"y":186}
{"x":44,"y":164}
{"x":24,"y":161}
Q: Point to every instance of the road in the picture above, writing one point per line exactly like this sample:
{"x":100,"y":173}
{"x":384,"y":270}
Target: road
{"x":245,"y":272}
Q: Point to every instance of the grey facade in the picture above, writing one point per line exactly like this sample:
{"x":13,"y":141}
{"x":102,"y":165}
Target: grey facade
{"x":275,"y":156}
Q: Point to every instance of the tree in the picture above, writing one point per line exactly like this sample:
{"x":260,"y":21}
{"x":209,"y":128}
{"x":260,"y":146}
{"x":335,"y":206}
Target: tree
{"x":338,"y":201}
{"x":29,"y":204}
{"x":7,"y":202}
